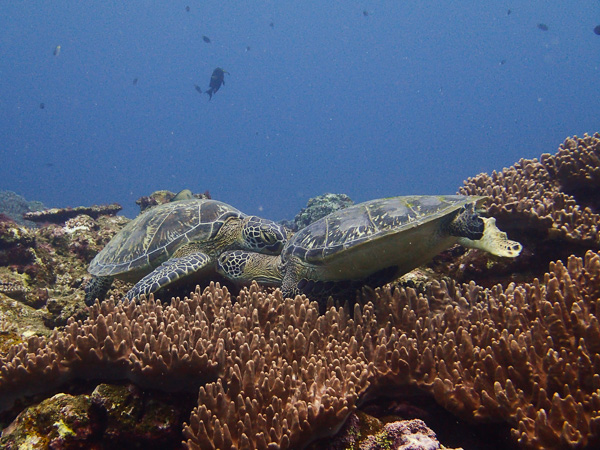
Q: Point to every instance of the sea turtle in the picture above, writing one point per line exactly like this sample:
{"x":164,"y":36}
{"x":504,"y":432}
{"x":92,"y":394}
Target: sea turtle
{"x":370,"y":243}
{"x":176,"y":239}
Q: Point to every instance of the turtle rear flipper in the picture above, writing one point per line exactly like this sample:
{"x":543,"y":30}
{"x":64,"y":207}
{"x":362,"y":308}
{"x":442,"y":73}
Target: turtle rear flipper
{"x":168,"y":272}
{"x":97,"y":288}
{"x":493,"y":241}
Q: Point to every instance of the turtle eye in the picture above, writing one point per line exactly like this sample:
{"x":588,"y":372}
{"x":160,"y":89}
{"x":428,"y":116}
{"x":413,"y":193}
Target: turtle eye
{"x":268,"y":236}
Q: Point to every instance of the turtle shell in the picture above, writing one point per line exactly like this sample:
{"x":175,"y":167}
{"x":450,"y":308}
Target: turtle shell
{"x":153,"y":237}
{"x":353,"y":229}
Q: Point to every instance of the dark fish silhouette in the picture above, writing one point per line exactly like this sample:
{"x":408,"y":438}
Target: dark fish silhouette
{"x":542,"y":26}
{"x":216,"y":80}
{"x":187,"y":8}
{"x":42,"y":106}
{"x":365,"y":13}
{"x":248,"y":48}
{"x":135,"y":81}
{"x":198,"y":89}
{"x":502,"y":62}
{"x":206,"y":39}
{"x":597,"y":30}
{"x":508,"y":12}
{"x":272,"y":25}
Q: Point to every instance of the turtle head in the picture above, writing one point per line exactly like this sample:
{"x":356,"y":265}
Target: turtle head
{"x":263,"y":236}
{"x":242,"y":267}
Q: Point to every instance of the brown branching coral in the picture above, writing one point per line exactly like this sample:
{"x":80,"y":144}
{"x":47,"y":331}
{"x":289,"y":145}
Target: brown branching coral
{"x":286,"y":374}
{"x":274,"y":374}
{"x":556,"y":196}
{"x":528,"y":355}
{"x":551,"y":206}
{"x":295,"y":377}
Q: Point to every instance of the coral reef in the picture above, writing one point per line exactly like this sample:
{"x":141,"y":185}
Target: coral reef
{"x":320,"y":206}
{"x":160,"y":197}
{"x":244,"y":354}
{"x":112,"y":416}
{"x":13,"y":206}
{"x":61,"y":215}
{"x":527,"y":355}
{"x":519,"y":349}
{"x":272,"y":371}
{"x":550,"y":206}
{"x":364,"y":432}
{"x":45,"y":267}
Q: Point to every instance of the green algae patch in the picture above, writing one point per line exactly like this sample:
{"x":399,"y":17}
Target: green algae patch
{"x":62,"y":421}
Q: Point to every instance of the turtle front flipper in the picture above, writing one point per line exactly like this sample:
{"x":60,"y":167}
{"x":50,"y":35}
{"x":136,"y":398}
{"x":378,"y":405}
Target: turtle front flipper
{"x":97,"y":288}
{"x":168,"y":272}
{"x":242,"y":267}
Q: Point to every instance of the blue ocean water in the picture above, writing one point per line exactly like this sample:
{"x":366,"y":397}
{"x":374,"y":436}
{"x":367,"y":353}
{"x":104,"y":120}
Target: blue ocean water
{"x":368,"y":98}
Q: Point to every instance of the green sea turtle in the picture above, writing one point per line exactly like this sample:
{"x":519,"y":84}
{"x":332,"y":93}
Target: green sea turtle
{"x":176,"y":239}
{"x":370,"y":243}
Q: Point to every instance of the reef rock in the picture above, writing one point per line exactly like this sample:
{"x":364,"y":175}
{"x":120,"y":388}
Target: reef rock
{"x":163,"y":196}
{"x":112,"y":416}
{"x":320,"y":206}
{"x":46,"y":267}
{"x":364,"y":432}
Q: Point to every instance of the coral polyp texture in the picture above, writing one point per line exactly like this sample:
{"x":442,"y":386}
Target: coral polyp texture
{"x":556,"y":196}
{"x":527,"y":354}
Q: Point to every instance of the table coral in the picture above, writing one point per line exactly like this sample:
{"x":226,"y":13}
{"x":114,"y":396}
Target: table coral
{"x":61,"y":215}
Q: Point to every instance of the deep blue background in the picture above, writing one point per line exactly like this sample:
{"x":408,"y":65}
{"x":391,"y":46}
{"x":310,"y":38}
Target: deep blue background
{"x":412,"y":98}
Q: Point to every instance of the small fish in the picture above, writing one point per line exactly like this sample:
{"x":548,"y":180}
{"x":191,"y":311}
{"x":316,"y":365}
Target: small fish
{"x":365,"y":13}
{"x":184,"y":194}
{"x":198,"y":89}
{"x":42,"y":106}
{"x":272,"y":25}
{"x":248,"y":48}
{"x":206,"y":39}
{"x":135,"y":81}
{"x":542,"y":26}
{"x":187,"y":8}
{"x":217,"y":79}
{"x":597,"y":30}
{"x":502,"y":62}
{"x":57,"y":50}
{"x":508,"y":12}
